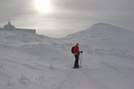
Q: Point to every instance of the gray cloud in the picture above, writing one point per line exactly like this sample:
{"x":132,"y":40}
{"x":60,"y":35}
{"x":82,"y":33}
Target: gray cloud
{"x":67,"y":16}
{"x":95,"y":4}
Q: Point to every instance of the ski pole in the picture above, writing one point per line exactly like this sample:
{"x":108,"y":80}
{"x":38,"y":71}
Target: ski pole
{"x":81,"y":60}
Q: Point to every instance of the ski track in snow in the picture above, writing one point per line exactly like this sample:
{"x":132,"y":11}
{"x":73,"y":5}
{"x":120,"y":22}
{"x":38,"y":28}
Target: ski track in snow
{"x":75,"y":80}
{"x":79,"y":79}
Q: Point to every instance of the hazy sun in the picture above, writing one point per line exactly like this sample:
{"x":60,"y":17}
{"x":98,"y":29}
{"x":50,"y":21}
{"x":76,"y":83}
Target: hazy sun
{"x":42,"y":5}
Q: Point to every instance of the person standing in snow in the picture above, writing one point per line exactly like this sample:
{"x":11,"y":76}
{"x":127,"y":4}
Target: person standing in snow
{"x":76,"y":54}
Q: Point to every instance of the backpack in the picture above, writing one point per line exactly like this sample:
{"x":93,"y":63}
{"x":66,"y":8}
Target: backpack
{"x":72,"y":50}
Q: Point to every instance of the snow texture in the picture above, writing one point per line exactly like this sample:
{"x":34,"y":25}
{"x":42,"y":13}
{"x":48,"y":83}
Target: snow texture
{"x":31,"y":61}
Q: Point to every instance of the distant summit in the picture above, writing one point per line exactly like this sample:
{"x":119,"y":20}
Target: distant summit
{"x":10,"y":27}
{"x":101,"y":31}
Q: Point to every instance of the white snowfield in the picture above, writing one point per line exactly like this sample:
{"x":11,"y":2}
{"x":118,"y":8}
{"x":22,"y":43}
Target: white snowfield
{"x":31,"y":61}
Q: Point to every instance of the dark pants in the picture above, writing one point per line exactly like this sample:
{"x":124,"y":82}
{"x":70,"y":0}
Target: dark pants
{"x":76,"y":65}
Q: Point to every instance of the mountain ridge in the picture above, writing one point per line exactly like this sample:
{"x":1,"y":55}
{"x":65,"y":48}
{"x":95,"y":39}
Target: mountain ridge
{"x":100,"y":29}
{"x":105,"y":38}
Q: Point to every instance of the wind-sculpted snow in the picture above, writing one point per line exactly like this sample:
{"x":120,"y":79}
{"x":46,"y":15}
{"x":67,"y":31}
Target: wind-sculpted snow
{"x":31,"y":61}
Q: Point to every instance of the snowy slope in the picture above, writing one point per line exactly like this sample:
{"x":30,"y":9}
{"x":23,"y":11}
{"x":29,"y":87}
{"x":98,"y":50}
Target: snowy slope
{"x":31,"y":61}
{"x":106,"y":38}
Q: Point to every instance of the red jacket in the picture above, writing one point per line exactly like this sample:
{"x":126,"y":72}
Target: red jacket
{"x":76,"y":50}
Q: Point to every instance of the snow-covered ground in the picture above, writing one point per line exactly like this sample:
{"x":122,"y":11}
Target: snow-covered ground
{"x":31,"y":61}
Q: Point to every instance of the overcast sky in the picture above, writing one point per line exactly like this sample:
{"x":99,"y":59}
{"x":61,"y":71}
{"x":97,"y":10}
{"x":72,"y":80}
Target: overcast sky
{"x":66,"y":16}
